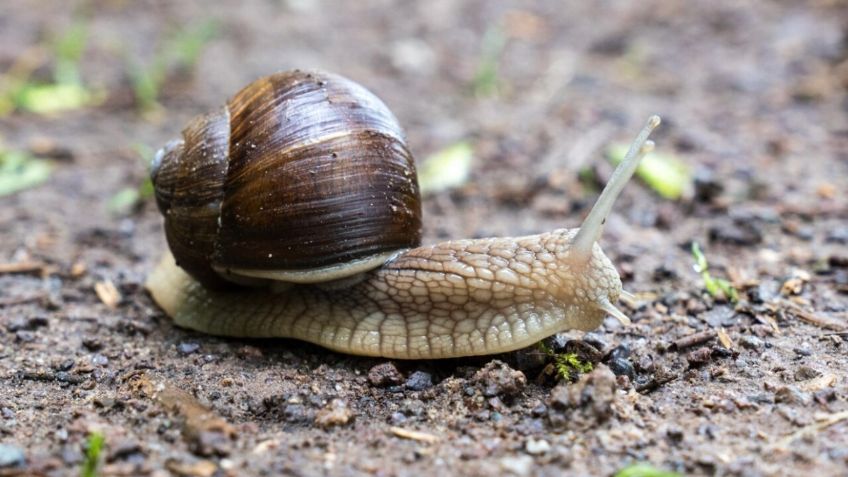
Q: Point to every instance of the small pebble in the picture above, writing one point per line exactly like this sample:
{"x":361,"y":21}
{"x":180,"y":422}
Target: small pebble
{"x":751,"y":342}
{"x":536,"y":447}
{"x":397,"y":418}
{"x":519,"y":465}
{"x":186,"y":348}
{"x":621,"y":351}
{"x":23,"y":336}
{"x":838,"y":235}
{"x":92,"y":343}
{"x":11,"y":456}
{"x":699,"y":357}
{"x":419,"y":381}
{"x":336,"y":413}
{"x":384,"y":374}
{"x":29,"y":324}
{"x":791,"y":395}
{"x":804,"y":373}
{"x":498,"y":379}
{"x":99,"y":360}
{"x":622,"y":367}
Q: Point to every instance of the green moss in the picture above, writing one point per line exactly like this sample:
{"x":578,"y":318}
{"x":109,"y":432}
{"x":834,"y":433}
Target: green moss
{"x":568,"y":365}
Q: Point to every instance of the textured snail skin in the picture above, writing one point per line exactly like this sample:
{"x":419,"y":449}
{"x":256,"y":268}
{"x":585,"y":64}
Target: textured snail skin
{"x":457,"y":298}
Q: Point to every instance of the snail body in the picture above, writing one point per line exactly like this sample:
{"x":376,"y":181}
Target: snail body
{"x":363,"y":285}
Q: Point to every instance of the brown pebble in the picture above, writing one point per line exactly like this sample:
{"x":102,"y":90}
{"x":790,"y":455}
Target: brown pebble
{"x":498,"y":379}
{"x":699,"y":357}
{"x":385,"y":374}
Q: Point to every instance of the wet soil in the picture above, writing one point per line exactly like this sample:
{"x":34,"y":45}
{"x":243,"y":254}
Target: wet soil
{"x":753,"y":95}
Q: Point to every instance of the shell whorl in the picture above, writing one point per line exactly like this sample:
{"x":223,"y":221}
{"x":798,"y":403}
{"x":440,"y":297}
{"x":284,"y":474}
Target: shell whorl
{"x":300,"y":171}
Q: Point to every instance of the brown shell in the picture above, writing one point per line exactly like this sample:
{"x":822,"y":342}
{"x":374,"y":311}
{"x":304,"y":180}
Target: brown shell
{"x":301,"y":170}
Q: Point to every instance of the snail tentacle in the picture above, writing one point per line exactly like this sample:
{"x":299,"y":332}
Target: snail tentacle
{"x":593,"y":225}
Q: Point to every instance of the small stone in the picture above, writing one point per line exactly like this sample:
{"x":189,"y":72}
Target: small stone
{"x":397,"y":418}
{"x":791,"y":395}
{"x":384,"y":374}
{"x":99,"y":360}
{"x":838,"y":234}
{"x":699,"y":357}
{"x":498,"y":379}
{"x":210,"y":443}
{"x":539,"y":410}
{"x":23,"y":336}
{"x":92,"y":344}
{"x":123,"y":450}
{"x":295,"y":413}
{"x":419,"y":381}
{"x":751,"y":342}
{"x":621,"y":351}
{"x":534,"y":447}
{"x":675,"y":434}
{"x":622,"y":367}
{"x":30,"y":324}
{"x":518,"y":466}
{"x":336,"y":413}
{"x":803,"y":350}
{"x":186,"y":348}
{"x":804,"y":373}
{"x":11,"y":456}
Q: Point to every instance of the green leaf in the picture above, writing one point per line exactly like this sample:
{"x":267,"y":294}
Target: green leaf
{"x":19,"y":171}
{"x":667,"y":175}
{"x":446,"y":169}
{"x":51,"y":98}
{"x":94,"y":446}
{"x":644,"y":470}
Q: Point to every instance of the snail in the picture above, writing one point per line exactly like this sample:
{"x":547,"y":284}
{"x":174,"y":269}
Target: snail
{"x":294,"y":212}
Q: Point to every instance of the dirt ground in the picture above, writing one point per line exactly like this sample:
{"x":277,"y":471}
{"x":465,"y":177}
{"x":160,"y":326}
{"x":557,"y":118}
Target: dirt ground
{"x":753,"y":96}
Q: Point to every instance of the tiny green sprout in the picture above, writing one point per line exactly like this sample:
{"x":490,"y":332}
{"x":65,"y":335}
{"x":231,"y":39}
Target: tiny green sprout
{"x":643,"y":469}
{"x":180,"y":52}
{"x":568,"y":365}
{"x":93,"y":448}
{"x":716,"y":287}
{"x":68,"y":49}
{"x":486,"y":81}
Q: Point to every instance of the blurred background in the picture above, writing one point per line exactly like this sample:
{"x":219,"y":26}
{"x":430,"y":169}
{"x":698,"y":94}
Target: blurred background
{"x":529,"y":92}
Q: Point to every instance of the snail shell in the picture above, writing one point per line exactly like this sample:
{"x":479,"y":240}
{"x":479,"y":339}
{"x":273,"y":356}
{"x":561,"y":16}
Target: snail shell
{"x":302,"y":177}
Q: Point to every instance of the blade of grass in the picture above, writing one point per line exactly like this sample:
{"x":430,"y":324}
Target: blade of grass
{"x":68,"y":49}
{"x":716,"y":287}
{"x":93,"y":448}
{"x":486,"y":80}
